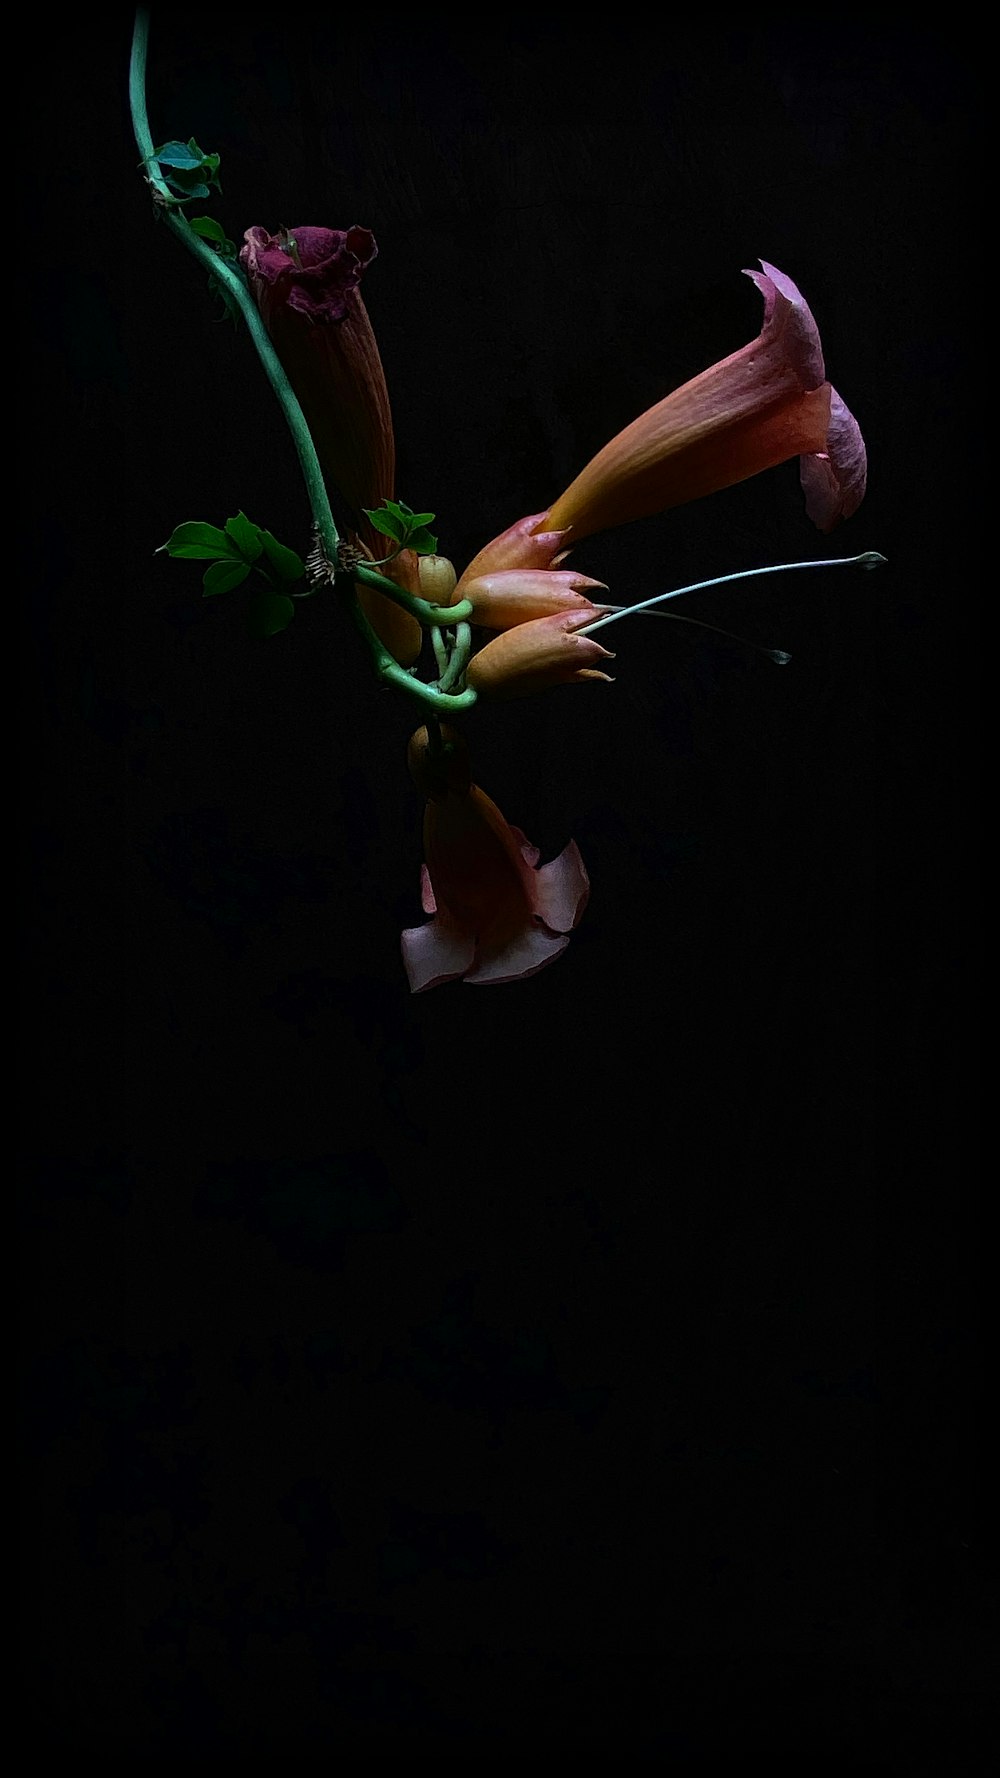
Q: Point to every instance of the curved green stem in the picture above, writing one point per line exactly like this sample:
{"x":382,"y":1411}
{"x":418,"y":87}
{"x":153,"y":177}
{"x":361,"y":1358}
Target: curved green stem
{"x":389,"y":669}
{"x":458,"y":659}
{"x":425,"y":613}
{"x":230,"y":279}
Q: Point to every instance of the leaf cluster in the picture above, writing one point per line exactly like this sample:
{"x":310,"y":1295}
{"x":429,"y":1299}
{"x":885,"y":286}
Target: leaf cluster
{"x":236,"y":551}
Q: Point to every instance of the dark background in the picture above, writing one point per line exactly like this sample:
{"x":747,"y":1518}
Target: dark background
{"x":585,"y":1365}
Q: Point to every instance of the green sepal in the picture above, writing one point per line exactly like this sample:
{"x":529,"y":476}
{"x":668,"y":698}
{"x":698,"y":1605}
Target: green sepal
{"x":269,"y":612}
{"x":286,"y":564}
{"x":222,"y":577}
{"x":245,"y":536}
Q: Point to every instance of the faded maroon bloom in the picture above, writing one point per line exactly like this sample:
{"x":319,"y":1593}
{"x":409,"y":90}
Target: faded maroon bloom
{"x":531,"y":656}
{"x":497,"y":916}
{"x":305,"y":284}
{"x":755,"y":409}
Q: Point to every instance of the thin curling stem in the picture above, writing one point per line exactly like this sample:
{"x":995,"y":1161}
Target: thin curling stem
{"x":230,"y":279}
{"x":869,"y":559}
{"x":423,"y":610}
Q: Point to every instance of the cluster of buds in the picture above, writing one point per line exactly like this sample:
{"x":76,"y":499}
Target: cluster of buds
{"x":523,"y":619}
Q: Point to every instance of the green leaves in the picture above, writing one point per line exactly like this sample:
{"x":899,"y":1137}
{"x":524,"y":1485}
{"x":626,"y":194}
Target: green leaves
{"x":286,"y":564}
{"x":407,"y":528}
{"x":269,"y":612}
{"x":223,"y":576}
{"x":245,"y":536}
{"x":234,"y":553}
{"x":214,"y":233}
{"x":196,"y":541}
{"x":187,"y":170}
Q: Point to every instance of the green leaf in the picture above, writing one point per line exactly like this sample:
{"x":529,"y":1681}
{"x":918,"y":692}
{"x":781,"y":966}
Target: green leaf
{"x":286,"y":564}
{"x":200,"y":543}
{"x":269,"y":612}
{"x":390,"y":524}
{"x":423,"y":542}
{"x":180,"y":154}
{"x":245,"y":535}
{"x":209,"y":229}
{"x":417,"y":520}
{"x":223,"y":576}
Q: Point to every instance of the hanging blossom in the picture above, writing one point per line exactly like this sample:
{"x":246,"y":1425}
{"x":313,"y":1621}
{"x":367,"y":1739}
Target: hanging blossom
{"x":305,"y":284}
{"x":497,"y":916}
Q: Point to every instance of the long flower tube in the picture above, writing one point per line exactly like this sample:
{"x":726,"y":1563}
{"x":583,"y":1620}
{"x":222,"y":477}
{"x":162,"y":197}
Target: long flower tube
{"x":766,"y":403}
{"x":305,"y":284}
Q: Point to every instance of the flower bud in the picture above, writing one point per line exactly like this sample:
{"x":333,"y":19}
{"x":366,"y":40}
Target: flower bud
{"x":535,"y":655}
{"x":442,"y":769}
{"x":437,"y":579}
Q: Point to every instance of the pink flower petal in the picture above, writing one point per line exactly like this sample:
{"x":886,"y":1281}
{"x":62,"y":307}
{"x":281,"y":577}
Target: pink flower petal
{"x":834,"y":480}
{"x":525,"y":954}
{"x":529,"y":853}
{"x":788,"y":316}
{"x":561,"y":889}
{"x":427,"y":900}
{"x":435,"y":953}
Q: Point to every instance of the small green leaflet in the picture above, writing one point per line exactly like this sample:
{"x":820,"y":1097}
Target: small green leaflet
{"x":245,"y":536}
{"x":187,"y":169}
{"x":223,"y":576}
{"x":197,"y":541}
{"x":269,"y":612}
{"x":286,"y":564}
{"x":214,"y":233}
{"x":407,"y":528}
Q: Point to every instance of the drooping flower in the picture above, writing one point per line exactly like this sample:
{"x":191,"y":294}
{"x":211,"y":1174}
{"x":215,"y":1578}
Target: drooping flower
{"x":496,"y":916}
{"x":532,"y":656}
{"x":305,"y":284}
{"x":762,"y":405}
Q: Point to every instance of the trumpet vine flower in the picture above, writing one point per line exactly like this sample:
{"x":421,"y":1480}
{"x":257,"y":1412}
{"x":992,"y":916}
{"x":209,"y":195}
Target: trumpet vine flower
{"x":762,"y":405}
{"x":305,"y":284}
{"x":518,"y":595}
{"x":531,"y":656}
{"x":496,"y":916}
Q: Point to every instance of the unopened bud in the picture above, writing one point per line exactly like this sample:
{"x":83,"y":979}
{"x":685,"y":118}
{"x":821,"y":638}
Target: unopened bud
{"x":437,"y":579}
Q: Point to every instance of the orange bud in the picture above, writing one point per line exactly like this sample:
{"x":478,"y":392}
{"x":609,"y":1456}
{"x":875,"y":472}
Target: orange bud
{"x":547,"y":651}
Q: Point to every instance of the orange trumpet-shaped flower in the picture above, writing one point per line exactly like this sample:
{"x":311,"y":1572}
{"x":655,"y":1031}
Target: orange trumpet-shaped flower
{"x":762,"y":405}
{"x":497,"y":917}
{"x":531,"y":656}
{"x":305,"y":284}
{"x":520,"y":546}
{"x":517,"y":595}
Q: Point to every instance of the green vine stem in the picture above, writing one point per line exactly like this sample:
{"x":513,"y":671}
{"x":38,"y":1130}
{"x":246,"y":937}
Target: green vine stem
{"x":389,"y":669}
{"x":230,"y":279}
{"x":227,"y":275}
{"x":421,"y":609}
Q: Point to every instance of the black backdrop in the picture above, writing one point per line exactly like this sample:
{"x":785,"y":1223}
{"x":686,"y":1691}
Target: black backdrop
{"x":584,"y":1365}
